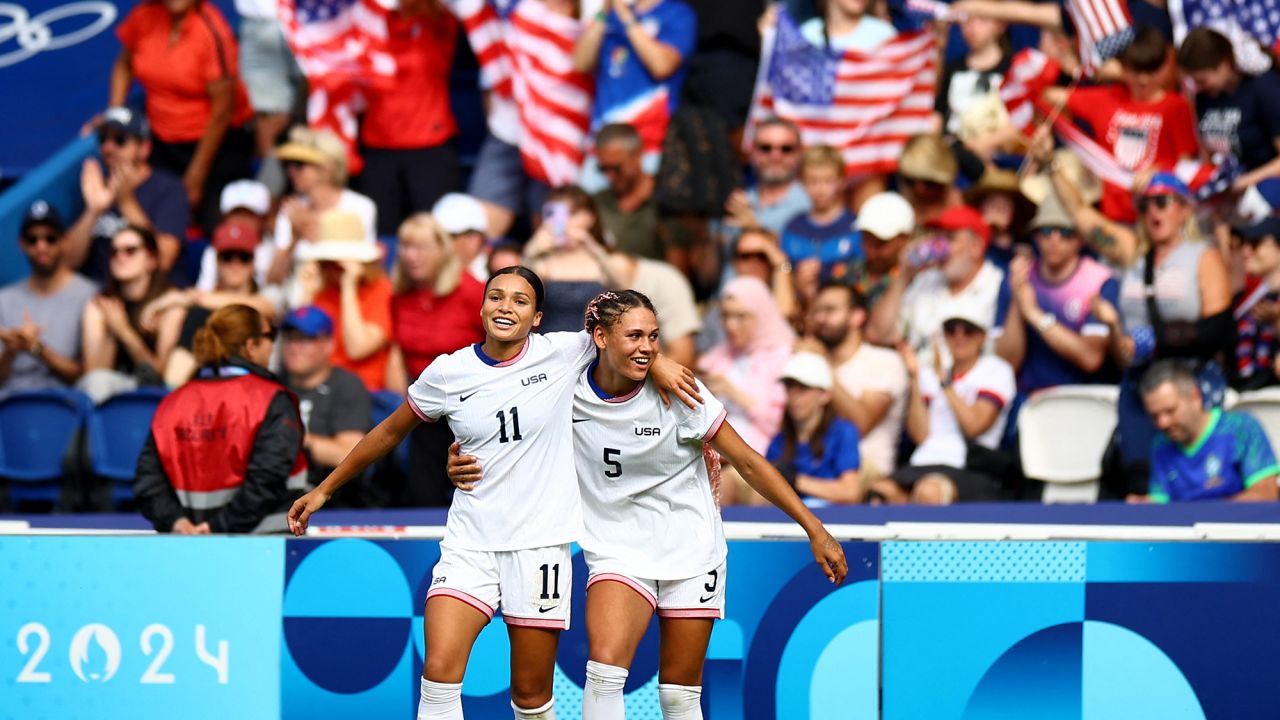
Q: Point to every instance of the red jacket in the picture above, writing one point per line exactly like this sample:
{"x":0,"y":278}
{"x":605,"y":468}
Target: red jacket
{"x":225,"y":448}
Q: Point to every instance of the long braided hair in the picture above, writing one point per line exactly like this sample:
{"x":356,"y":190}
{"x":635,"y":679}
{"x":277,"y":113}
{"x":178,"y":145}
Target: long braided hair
{"x":606,"y":310}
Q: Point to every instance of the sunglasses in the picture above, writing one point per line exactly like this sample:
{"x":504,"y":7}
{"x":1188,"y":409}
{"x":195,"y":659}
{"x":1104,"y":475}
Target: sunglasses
{"x":235,"y":256}
{"x":1065,"y":233}
{"x":125,"y":250}
{"x":1254,"y":242}
{"x":114,"y":138}
{"x":953,"y":327}
{"x":610,"y":169}
{"x":33,"y":239}
{"x":767,"y":148}
{"x":271,"y":334}
{"x":1157,"y":201}
{"x":293,"y":165}
{"x":742,"y":257}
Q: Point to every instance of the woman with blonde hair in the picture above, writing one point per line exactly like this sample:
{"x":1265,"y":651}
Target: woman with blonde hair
{"x":225,"y":450}
{"x":434,"y":311}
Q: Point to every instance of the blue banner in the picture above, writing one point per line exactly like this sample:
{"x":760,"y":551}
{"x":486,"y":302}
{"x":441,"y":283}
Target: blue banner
{"x":140,"y":628}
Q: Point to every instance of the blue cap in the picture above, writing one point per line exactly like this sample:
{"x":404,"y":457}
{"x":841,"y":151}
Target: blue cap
{"x":310,"y":321}
{"x":1164,"y":183}
{"x":132,"y":122}
{"x":1257,"y":231}
{"x":42,"y":213}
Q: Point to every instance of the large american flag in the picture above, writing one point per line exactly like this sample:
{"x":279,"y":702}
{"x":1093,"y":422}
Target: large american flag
{"x":528,"y":57}
{"x":341,"y":46}
{"x":865,"y":104}
{"x":1259,"y":18}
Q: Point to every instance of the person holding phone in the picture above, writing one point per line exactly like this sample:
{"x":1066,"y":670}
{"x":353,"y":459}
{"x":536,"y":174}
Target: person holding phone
{"x":568,"y":250}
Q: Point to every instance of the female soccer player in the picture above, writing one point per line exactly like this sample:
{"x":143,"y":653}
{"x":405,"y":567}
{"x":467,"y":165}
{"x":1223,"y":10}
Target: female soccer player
{"x":653,"y":537}
{"x":508,"y":401}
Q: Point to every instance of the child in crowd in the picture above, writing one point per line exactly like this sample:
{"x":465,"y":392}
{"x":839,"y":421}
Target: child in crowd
{"x":821,"y":242}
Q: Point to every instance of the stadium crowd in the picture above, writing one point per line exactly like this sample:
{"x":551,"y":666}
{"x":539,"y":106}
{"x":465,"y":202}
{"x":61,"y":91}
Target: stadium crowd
{"x":872,"y":333}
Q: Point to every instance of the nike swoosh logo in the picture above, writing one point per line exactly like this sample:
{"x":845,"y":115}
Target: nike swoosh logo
{"x":463,"y":398}
{"x":578,"y":420}
{"x":706,"y":599}
{"x":545,"y":610}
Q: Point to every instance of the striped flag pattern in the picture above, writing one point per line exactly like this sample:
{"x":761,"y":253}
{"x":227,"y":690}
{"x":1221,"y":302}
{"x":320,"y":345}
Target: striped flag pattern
{"x":341,"y":46}
{"x":1103,"y":29}
{"x":1030,"y":72}
{"x":867,"y":105}
{"x":527,"y":58}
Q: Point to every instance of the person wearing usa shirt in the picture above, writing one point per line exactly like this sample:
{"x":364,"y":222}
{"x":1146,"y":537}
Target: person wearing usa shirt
{"x":1047,"y":331}
{"x":637,"y":50}
{"x":1202,"y":453}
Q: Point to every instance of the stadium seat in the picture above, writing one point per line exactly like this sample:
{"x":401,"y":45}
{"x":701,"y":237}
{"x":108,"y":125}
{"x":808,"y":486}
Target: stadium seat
{"x":36,"y":428}
{"x":1264,"y":406}
{"x":1063,"y":434}
{"x":118,"y":429}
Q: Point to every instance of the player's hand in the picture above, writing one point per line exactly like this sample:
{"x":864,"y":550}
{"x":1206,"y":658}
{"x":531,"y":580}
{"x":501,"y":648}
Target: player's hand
{"x":830,"y":556}
{"x":464,"y":470}
{"x":670,"y":376}
{"x":302,"y":510}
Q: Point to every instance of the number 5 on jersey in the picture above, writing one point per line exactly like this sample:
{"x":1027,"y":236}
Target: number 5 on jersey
{"x":515,"y":425}
{"x":614,"y":467}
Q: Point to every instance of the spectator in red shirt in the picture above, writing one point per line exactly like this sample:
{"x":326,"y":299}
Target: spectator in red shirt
{"x":435,"y":310}
{"x":355,"y":293}
{"x":183,"y":54}
{"x":407,"y":132}
{"x":1142,"y":124}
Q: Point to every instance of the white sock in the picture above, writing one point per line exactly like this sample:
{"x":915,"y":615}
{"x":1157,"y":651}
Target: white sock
{"x":680,"y":702}
{"x":440,"y":701}
{"x":546,"y":712}
{"x":602,"y":697}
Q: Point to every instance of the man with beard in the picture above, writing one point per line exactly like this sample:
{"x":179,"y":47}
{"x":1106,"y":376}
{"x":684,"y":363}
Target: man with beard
{"x":941,"y":270}
{"x":40,"y":316}
{"x":777,"y":196}
{"x":870,"y":382}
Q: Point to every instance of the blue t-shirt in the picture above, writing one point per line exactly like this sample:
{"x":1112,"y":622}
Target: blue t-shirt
{"x":839,"y":452}
{"x":164,"y":200}
{"x":836,"y":243}
{"x":1245,"y":122}
{"x":625,"y":91}
{"x":1230,"y":456}
{"x":1069,"y":300}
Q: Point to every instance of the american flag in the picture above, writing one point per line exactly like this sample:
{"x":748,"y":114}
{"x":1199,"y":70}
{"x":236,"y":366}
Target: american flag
{"x":1258,"y":18}
{"x":1103,"y":29}
{"x":341,"y":46}
{"x":1030,"y":72}
{"x":865,"y":104}
{"x":528,"y":57}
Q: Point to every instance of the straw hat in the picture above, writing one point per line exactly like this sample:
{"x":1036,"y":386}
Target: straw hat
{"x":984,"y":116}
{"x":1052,"y":213}
{"x":315,"y":147}
{"x":999,"y":180}
{"x":927,"y":157}
{"x":1036,"y":187}
{"x":340,"y":236}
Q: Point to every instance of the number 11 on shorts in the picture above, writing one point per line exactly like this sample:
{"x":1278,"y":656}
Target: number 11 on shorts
{"x":550,"y":579}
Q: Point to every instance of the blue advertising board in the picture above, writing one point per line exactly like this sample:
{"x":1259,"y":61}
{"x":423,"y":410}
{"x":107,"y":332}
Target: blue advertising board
{"x":791,"y":646}
{"x":140,"y":628}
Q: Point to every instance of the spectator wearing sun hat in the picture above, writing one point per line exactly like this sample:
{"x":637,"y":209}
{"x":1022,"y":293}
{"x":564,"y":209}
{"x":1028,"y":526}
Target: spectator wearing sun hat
{"x":355,"y":293}
{"x":927,"y":174}
{"x":945,"y":267}
{"x":998,"y":197}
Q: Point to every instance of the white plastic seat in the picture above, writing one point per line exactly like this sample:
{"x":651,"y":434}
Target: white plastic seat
{"x":1063,"y":433}
{"x":1264,"y":406}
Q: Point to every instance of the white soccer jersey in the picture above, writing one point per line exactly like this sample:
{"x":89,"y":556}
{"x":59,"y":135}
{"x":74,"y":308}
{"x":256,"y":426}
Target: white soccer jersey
{"x":646,"y":497}
{"x":514,"y":417}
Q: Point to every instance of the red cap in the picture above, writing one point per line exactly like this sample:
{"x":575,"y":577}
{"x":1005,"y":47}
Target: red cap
{"x":233,"y":235}
{"x":963,"y":217}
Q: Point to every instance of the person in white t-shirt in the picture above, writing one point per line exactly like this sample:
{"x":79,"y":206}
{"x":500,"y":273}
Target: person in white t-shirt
{"x":653,"y":539}
{"x":506,"y":544}
{"x":956,"y":416}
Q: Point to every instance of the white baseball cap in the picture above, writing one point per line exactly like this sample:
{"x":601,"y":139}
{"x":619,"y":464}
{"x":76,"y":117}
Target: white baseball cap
{"x":886,"y":215}
{"x":458,"y":213}
{"x":248,"y":194}
{"x":809,"y":369}
{"x":969,"y":312}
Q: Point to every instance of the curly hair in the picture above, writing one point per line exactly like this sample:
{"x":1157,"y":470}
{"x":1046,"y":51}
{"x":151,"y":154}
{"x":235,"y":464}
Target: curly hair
{"x":607,"y":308}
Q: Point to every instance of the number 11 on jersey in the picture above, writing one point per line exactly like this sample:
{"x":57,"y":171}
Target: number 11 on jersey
{"x":515,"y":425}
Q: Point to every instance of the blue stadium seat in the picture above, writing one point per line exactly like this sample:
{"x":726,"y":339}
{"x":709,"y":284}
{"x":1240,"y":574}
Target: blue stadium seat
{"x":118,"y":429}
{"x":35,"y":430}
{"x":385,"y":402}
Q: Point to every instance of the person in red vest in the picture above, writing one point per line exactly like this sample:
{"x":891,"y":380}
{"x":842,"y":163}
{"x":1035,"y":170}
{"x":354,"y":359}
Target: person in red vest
{"x":225,"y":450}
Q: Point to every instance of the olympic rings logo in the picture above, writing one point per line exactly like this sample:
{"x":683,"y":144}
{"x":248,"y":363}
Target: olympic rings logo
{"x":33,"y":34}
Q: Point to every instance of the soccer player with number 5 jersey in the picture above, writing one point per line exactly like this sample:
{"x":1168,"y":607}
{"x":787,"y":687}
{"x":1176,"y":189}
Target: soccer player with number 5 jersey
{"x":653,"y":539}
{"x":508,"y":401}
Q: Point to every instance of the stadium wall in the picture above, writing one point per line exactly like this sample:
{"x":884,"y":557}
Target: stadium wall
{"x":248,"y":628}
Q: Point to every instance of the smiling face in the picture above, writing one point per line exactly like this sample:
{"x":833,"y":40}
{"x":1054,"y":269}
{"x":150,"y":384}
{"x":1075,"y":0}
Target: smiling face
{"x":509,"y":313}
{"x":629,"y":345}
